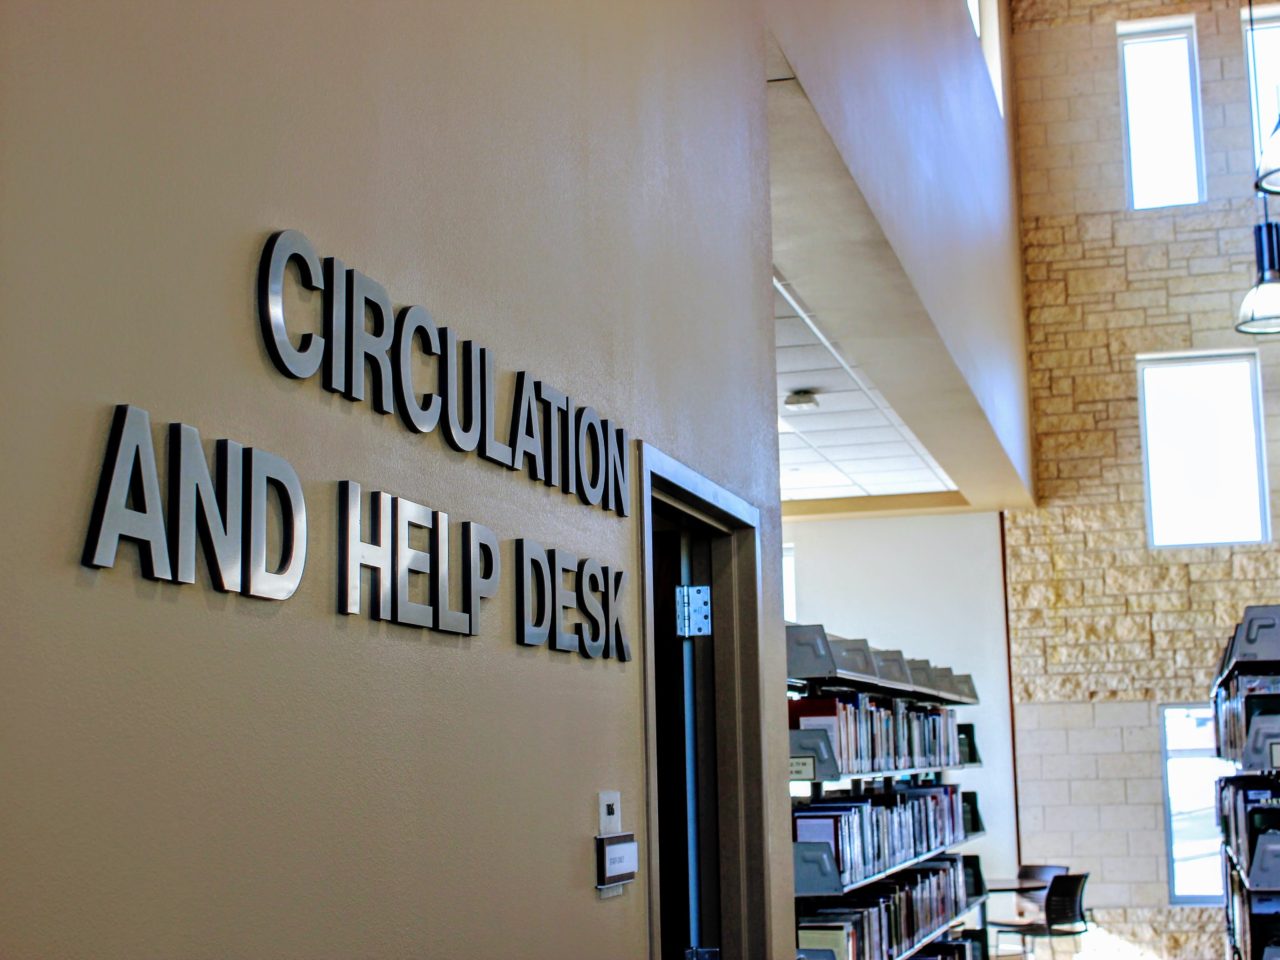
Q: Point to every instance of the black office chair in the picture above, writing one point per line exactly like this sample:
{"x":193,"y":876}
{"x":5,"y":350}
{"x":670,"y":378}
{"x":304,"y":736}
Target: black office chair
{"x":1064,"y":914}
{"x":1033,"y":900}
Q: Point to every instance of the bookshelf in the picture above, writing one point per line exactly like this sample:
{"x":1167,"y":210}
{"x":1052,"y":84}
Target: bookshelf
{"x":875,"y":825}
{"x":1246,"y":706}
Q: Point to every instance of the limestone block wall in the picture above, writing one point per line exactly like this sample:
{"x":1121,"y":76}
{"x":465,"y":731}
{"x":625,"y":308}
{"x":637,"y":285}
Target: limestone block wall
{"x":1103,"y":628}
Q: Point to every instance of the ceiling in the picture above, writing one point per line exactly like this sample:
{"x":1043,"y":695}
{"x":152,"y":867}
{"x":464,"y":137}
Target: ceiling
{"x":852,"y":444}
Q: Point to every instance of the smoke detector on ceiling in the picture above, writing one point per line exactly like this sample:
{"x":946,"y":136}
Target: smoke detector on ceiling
{"x":798,"y":400}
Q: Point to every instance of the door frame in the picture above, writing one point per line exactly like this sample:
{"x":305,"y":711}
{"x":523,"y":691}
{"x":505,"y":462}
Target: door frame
{"x":740,"y":754}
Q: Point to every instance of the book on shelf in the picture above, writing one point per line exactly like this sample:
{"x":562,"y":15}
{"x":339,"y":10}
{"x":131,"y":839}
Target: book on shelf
{"x":872,"y":733}
{"x":892,"y":915}
{"x":878,"y":830}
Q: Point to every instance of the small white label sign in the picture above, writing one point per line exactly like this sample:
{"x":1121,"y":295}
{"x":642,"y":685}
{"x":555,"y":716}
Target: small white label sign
{"x":803,"y":768}
{"x":622,"y":858}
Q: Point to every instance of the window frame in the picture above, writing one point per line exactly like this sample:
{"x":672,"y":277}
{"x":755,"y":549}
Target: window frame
{"x":1144,"y":360}
{"x":1128,"y":31}
{"x":1176,"y":900}
{"x":1264,"y":16}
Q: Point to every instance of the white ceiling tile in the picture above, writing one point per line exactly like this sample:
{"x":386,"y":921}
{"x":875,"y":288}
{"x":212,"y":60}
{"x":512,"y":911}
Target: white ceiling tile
{"x":822,"y":493}
{"x":827,"y":380}
{"x":893,"y":489}
{"x":813,"y":475}
{"x":879,"y":465}
{"x":808,"y":421}
{"x":869,"y":451}
{"x":792,"y":458}
{"x":833,"y":401}
{"x":853,"y":437}
{"x":902,"y":478}
{"x":812,"y":357}
{"x":793,"y":332}
{"x":780,"y":306}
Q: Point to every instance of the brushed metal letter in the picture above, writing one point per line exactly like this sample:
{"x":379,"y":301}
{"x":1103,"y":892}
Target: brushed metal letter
{"x":414,"y":326}
{"x":303,"y":360}
{"x":617,"y":490}
{"x":556,"y":404}
{"x":616,"y":642}
{"x":200,"y":509}
{"x":448,"y":620}
{"x":366,"y":348}
{"x":564,"y":598}
{"x":491,"y":448}
{"x":526,"y":429}
{"x":129,"y":472}
{"x":376,"y":554}
{"x":534,"y":594}
{"x":264,"y":472}
{"x":591,"y":457}
{"x":460,"y":385}
{"x":481,"y":570}
{"x":411,"y":516}
{"x":591,"y":633}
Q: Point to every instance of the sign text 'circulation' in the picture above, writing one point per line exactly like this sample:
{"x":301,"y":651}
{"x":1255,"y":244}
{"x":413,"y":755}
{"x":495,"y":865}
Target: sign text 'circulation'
{"x":369,"y":352}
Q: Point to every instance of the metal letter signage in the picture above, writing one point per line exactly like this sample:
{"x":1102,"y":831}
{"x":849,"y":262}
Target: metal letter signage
{"x":366,"y":354}
{"x":247,"y":514}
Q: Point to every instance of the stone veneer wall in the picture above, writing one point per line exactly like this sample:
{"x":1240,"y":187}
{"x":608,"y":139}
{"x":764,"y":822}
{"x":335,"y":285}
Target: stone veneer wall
{"x":1103,"y":628}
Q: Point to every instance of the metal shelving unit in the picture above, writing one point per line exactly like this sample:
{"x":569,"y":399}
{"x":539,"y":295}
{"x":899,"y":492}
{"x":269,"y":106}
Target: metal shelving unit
{"x":819,"y":664}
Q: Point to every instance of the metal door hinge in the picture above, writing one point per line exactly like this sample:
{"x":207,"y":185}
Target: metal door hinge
{"x":693,"y":611}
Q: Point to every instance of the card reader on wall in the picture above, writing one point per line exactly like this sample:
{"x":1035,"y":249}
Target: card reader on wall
{"x":617,"y":859}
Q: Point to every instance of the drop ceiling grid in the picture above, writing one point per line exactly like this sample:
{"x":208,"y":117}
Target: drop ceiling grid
{"x":853,"y":444}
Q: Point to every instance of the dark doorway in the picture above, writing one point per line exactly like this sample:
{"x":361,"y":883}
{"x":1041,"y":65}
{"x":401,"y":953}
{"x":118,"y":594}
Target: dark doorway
{"x":684,"y":690}
{"x":709,"y":885}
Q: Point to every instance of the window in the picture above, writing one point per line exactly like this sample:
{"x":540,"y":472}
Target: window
{"x":1202,"y":448}
{"x":975,"y":16}
{"x":789,"y":582}
{"x":1161,"y":104}
{"x":1191,"y":772}
{"x":1262,"y":57}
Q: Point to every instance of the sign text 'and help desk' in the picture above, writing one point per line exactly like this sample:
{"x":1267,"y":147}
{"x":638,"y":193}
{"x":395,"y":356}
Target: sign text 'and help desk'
{"x":368,"y":352}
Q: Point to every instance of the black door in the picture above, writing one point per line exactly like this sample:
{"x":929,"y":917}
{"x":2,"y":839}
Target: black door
{"x":684,"y":684}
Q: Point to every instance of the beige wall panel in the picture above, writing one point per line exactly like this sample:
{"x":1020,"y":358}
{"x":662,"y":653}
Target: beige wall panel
{"x":579,"y":186}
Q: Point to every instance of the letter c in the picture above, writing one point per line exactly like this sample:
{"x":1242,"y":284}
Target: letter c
{"x":303,"y":360}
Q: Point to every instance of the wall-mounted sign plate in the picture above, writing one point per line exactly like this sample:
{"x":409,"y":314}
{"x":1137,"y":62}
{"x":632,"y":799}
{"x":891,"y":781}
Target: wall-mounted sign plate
{"x":617,"y":859}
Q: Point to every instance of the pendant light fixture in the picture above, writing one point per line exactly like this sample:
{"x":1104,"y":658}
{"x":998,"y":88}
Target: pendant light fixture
{"x":1260,"y":311}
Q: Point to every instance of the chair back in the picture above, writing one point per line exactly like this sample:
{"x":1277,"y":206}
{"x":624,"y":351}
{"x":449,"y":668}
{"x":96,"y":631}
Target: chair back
{"x":1064,"y":902}
{"x":1039,"y":871}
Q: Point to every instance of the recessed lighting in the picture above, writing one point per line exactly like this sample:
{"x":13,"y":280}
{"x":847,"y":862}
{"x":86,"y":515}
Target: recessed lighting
{"x":801,"y":400}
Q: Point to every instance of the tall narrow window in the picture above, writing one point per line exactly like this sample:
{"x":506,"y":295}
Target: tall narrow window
{"x":1202,"y":448}
{"x":789,"y":582}
{"x":1161,"y":103}
{"x":1191,"y":772}
{"x":1262,"y":53}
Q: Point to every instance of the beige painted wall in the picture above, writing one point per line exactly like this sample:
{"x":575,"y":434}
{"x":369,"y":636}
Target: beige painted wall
{"x":580,"y":186}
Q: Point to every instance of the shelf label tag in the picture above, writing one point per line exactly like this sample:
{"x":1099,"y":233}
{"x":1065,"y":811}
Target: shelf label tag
{"x":803,"y":768}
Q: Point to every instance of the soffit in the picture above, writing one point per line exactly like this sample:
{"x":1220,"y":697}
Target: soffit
{"x":831,"y":252}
